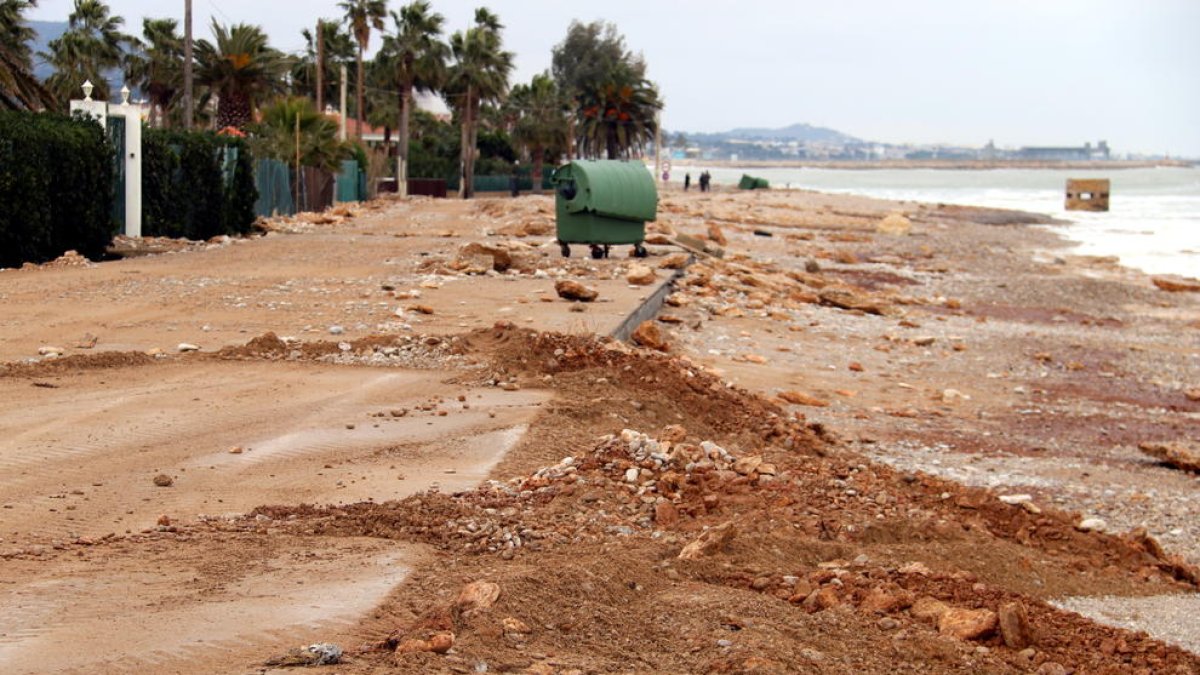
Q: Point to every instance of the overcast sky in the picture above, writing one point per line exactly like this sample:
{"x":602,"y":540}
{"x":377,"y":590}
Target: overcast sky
{"x":1021,"y":72}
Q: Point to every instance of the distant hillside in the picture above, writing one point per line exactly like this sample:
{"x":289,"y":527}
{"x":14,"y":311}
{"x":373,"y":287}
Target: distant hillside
{"x":796,"y":132}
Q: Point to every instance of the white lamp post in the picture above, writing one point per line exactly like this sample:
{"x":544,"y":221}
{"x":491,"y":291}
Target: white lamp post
{"x":87,"y":90}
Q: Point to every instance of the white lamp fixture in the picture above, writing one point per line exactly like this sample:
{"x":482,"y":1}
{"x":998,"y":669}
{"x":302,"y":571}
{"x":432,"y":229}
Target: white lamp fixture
{"x":87,"y":90}
{"x":125,"y":95}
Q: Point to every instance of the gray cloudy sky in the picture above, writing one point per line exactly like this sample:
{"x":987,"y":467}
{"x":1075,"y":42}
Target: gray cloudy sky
{"x":953,"y":71}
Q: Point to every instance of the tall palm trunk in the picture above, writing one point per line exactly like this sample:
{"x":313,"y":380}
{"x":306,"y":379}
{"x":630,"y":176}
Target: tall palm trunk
{"x":402,"y":160}
{"x":468,"y":150}
{"x":361,"y":108}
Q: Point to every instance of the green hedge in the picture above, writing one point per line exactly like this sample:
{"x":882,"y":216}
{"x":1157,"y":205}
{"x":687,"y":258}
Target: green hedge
{"x":196,"y":185}
{"x":56,"y":187}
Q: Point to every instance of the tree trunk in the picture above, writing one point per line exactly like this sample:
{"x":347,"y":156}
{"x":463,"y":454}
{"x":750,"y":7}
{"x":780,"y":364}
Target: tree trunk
{"x":474,"y":145}
{"x":361,"y":107}
{"x":233,"y":110}
{"x":538,"y":159}
{"x":467,"y":152}
{"x":402,"y":159}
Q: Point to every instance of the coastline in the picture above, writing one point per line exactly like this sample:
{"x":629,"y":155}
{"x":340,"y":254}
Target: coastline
{"x":973,"y":165}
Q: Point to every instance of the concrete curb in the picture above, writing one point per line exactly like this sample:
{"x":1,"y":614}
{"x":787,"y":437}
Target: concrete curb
{"x":650,"y":306}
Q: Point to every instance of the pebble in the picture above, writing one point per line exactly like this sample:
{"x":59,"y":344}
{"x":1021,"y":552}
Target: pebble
{"x":336,"y":330}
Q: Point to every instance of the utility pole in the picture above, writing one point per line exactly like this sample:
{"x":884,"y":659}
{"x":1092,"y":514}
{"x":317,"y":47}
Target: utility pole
{"x":343,"y":129}
{"x":189,"y":111}
{"x":320,"y":70}
{"x":658,"y":149}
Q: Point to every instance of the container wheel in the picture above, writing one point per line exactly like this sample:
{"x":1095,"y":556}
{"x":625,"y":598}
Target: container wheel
{"x":566,"y":250}
{"x":597,"y":252}
{"x":640,"y":251}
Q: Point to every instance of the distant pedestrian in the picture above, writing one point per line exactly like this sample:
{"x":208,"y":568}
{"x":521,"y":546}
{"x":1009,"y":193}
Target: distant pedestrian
{"x":687,"y":181}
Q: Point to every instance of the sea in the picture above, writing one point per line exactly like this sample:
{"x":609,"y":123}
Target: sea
{"x":1153,"y":223}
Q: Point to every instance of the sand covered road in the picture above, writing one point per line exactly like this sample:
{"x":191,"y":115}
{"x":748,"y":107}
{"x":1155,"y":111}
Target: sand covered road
{"x":835,"y":558}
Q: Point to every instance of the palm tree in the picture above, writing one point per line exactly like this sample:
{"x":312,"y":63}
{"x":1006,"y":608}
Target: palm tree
{"x":480,"y":73}
{"x":156,"y":68}
{"x":92,"y":45}
{"x":242,"y":69}
{"x":339,"y":49}
{"x":19,"y":89}
{"x":363,"y":15}
{"x":540,"y":114}
{"x":619,"y":114}
{"x":275,"y":136}
{"x":416,"y":58}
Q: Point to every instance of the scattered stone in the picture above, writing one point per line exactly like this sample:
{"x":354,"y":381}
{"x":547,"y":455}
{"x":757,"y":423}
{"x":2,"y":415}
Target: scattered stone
{"x":967,"y":624}
{"x":1180,"y":455}
{"x":236,"y":450}
{"x":798,"y":398}
{"x":665,"y":514}
{"x":164,"y":521}
{"x":924,"y":341}
{"x":420,"y":309}
{"x":1092,"y":525}
{"x":650,"y":336}
{"x":336,"y":330}
{"x":1192,"y":394}
{"x":163,"y":480}
{"x":640,"y":275}
{"x":516,"y":626}
{"x":712,"y":541}
{"x":51,"y":351}
{"x":187,"y":347}
{"x":716,"y":236}
{"x":575,"y":291}
{"x":821,"y":599}
{"x":747,"y":465}
{"x":1014,"y":626}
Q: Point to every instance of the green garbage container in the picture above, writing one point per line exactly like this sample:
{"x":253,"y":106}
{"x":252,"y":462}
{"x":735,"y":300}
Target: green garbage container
{"x":753,"y":183}
{"x":603,"y":203}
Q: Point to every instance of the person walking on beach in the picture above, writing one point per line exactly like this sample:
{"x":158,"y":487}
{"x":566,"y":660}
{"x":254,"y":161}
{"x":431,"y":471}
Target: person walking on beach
{"x":687,"y":181}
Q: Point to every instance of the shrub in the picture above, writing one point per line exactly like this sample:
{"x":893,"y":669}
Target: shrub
{"x":56,"y":187}
{"x":196,"y":185}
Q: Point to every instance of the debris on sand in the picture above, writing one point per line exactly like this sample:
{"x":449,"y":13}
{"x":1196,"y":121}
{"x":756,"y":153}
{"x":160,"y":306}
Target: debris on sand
{"x":323,"y":654}
{"x":163,"y":480}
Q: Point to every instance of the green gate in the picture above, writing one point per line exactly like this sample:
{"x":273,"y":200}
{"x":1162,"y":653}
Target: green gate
{"x":116,"y":136}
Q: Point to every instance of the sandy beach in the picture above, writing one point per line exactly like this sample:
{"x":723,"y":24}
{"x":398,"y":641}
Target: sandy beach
{"x":868,"y":437}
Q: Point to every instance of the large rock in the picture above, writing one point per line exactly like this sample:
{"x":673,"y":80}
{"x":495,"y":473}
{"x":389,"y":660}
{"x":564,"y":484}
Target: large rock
{"x":929,"y":609}
{"x":716,"y":236}
{"x":1177,"y":284}
{"x":573,"y":290}
{"x":1014,"y":625}
{"x":844,"y":299}
{"x":649,"y":335}
{"x":712,"y":541}
{"x":477,"y":595}
{"x":640,"y":275}
{"x":1181,"y":455}
{"x":675,"y":261}
{"x":799,"y":398}
{"x":894,"y":224}
{"x":967,"y":624}
{"x":476,"y":258}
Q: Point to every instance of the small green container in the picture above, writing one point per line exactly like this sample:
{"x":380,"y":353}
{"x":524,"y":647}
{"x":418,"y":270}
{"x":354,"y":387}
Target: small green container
{"x":603,"y":203}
